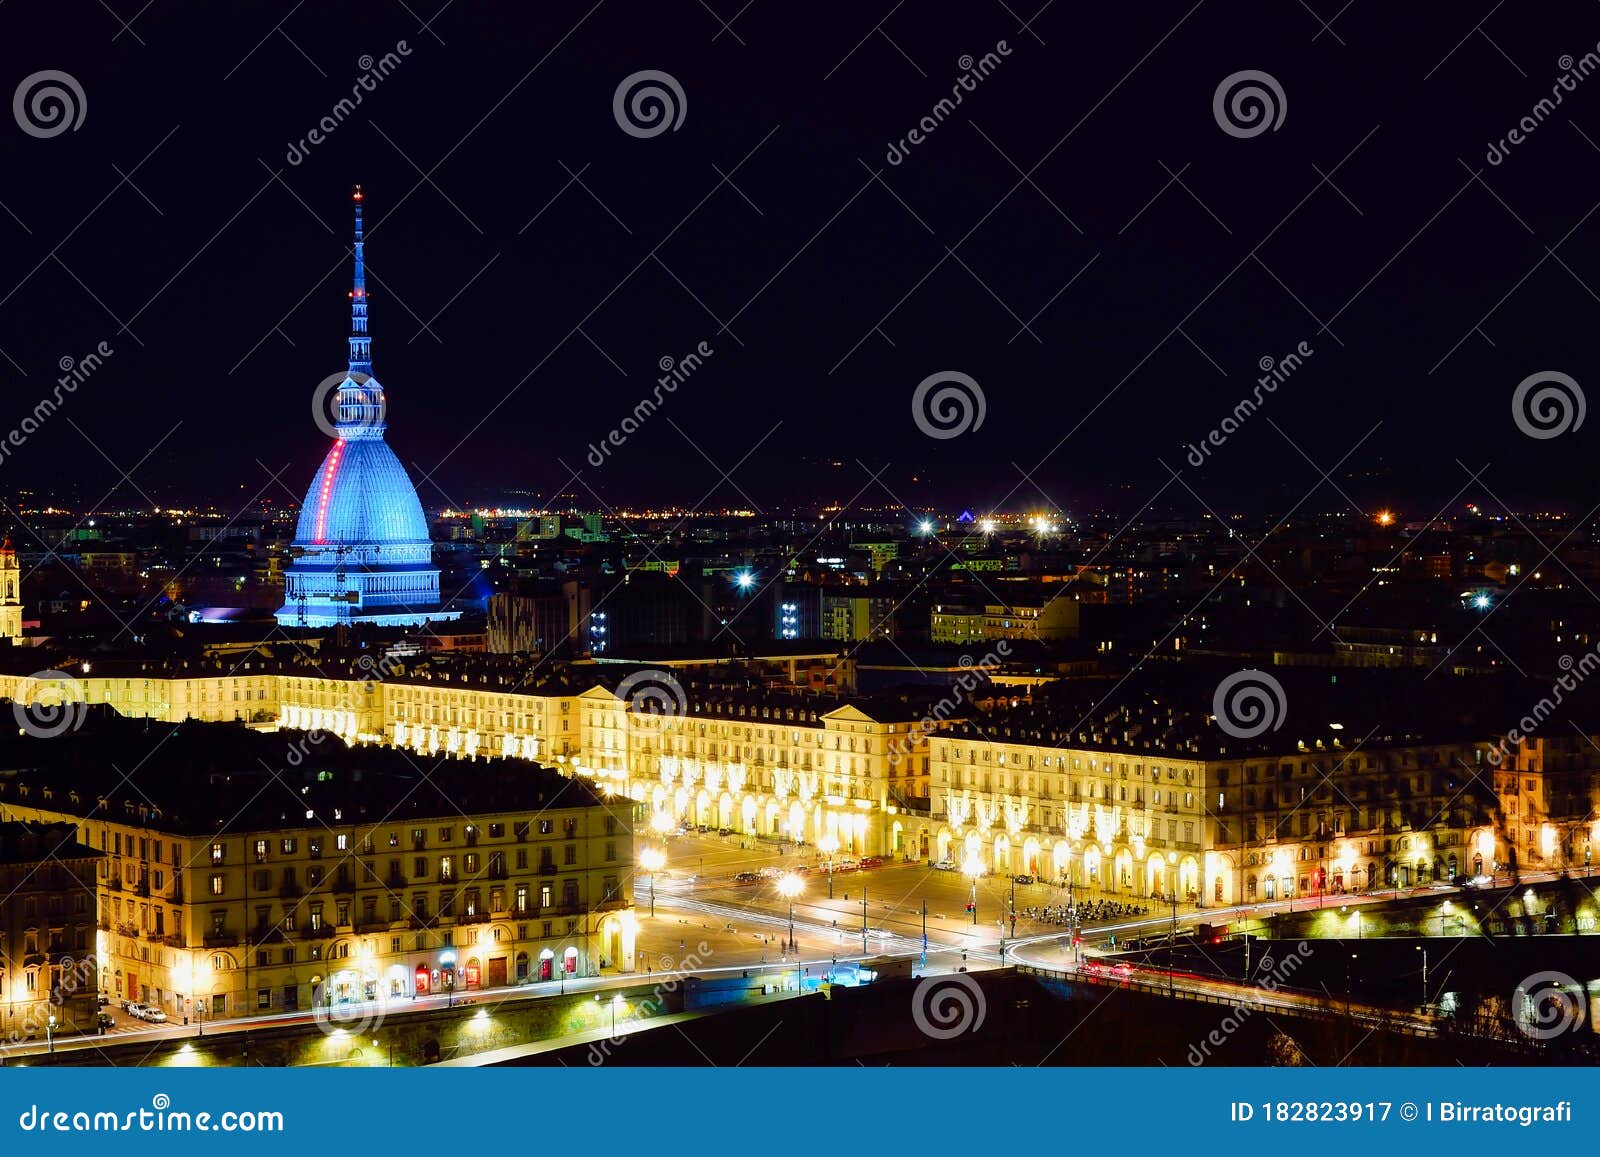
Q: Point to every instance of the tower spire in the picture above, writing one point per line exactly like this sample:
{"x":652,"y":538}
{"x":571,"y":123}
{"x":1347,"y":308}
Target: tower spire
{"x":360,"y":341}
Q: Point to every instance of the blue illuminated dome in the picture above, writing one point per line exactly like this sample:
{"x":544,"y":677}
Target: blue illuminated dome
{"x":361,"y":548}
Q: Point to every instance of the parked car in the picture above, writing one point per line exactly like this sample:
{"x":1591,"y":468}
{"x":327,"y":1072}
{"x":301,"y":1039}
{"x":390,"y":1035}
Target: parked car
{"x":845,"y":866}
{"x":153,"y":1015}
{"x":872,"y":861}
{"x":1024,"y":878}
{"x":724,"y":831}
{"x":106,"y":1020}
{"x":747,"y":878}
{"x":702,"y":828}
{"x":945,"y":866}
{"x":132,"y":1007}
{"x":102,"y":1000}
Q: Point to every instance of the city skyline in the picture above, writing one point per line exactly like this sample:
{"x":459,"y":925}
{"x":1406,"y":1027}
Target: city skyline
{"x":549,"y":305}
{"x":943,"y":535}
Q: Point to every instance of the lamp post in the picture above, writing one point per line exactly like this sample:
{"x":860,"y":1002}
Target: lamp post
{"x":1424,"y":952}
{"x":652,"y":860}
{"x":448,"y":960}
{"x":789,"y":886}
{"x":49,"y":1038}
{"x":972,"y":869}
{"x":828,"y":845}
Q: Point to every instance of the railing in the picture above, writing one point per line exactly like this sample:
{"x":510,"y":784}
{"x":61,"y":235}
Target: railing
{"x":220,"y":940}
{"x":290,"y":892}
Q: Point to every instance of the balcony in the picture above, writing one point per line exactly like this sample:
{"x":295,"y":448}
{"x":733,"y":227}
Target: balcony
{"x":221,"y":939}
{"x":290,"y":892}
{"x":142,"y":888}
{"x":394,"y":881}
{"x":473,"y":918}
{"x":343,"y":884}
{"x":326,"y":932}
{"x":127,"y":928}
{"x":370,"y":926}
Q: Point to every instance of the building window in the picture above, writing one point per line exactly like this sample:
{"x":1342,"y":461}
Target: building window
{"x":261,"y":851}
{"x":216,"y":853}
{"x":216,"y":884}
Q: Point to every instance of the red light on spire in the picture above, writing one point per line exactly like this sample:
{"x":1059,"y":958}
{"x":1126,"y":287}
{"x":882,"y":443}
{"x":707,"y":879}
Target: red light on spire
{"x":357,"y":193}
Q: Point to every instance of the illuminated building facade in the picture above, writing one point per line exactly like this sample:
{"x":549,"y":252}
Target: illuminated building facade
{"x":361,"y":549}
{"x":495,"y":876}
{"x":47,"y":932}
{"x":1187,"y":811}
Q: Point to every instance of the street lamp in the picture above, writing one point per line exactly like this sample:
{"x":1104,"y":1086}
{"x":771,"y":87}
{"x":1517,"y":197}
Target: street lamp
{"x":448,"y":960}
{"x":49,"y":1039}
{"x":652,"y":860}
{"x":972,"y":869}
{"x":790,"y":886}
{"x":828,"y":845}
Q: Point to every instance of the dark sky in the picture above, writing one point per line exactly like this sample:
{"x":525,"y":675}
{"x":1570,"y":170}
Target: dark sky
{"x":217,"y":259}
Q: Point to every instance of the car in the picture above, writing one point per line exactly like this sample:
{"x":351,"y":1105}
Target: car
{"x":724,"y":831}
{"x":845,"y":866}
{"x":702,"y":828}
{"x":804,"y":870}
{"x":945,"y":866}
{"x":153,"y":1015}
{"x":132,"y":1008}
{"x":102,"y":1000}
{"x":769,"y":873}
{"x":1024,"y":878}
{"x":747,"y":878}
{"x":106,"y":1020}
{"x":872,"y":861}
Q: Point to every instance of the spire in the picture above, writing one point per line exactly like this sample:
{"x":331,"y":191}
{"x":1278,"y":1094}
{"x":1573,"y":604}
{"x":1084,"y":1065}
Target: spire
{"x":360,"y":342}
{"x":360,"y":400}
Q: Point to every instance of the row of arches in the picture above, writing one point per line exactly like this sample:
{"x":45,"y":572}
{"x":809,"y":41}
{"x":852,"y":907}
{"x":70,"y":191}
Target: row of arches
{"x":1119,"y":871}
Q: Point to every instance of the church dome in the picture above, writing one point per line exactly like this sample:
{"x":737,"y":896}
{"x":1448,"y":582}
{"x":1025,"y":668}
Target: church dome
{"x":361,"y":496}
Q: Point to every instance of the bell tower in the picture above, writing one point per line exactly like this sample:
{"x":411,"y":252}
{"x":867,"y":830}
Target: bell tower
{"x":10,"y":592}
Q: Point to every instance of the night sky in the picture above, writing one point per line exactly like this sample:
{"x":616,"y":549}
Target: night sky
{"x":218,"y":272}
